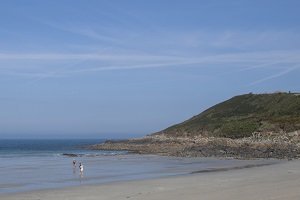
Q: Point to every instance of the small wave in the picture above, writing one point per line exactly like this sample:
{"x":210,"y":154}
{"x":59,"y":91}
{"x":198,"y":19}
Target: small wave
{"x":93,"y":154}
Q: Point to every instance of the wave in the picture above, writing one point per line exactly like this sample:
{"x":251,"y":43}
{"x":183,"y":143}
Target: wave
{"x":104,"y":153}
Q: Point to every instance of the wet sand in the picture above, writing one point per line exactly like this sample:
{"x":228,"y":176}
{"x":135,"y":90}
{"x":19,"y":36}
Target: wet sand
{"x":279,"y":181}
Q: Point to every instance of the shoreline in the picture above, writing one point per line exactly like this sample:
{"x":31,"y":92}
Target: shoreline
{"x":278,"y":181}
{"x":147,"y":166}
{"x":174,"y":167}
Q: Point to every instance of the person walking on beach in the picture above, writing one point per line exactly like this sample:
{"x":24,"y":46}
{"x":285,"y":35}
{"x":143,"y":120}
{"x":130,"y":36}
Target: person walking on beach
{"x":80,"y":168}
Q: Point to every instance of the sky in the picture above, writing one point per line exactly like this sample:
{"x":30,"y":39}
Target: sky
{"x":127,"y":68}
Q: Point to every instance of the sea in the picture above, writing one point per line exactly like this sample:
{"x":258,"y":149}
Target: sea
{"x":29,"y":165}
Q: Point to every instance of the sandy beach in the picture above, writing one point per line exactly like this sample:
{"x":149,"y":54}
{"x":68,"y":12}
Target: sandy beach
{"x":278,"y":181}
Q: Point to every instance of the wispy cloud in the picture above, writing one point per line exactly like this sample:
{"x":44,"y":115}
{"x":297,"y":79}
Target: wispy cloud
{"x":277,"y":75}
{"x":84,"y":56}
{"x":88,"y":32}
{"x":259,"y":56}
{"x":101,"y":62}
{"x":99,"y":34}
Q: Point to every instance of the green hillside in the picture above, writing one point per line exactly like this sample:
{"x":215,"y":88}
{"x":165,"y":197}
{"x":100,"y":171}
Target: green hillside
{"x":242,"y":115}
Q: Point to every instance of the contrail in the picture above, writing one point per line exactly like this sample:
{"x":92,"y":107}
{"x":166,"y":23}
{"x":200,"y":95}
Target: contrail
{"x":275,"y":75}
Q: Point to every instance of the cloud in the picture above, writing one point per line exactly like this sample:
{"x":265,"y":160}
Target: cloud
{"x":258,"y":56}
{"x":102,"y":34}
{"x":102,"y":62}
{"x":277,"y":75}
{"x":83,"y":56}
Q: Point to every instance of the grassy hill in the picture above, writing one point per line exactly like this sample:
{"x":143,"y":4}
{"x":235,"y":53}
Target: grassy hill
{"x":242,"y":115}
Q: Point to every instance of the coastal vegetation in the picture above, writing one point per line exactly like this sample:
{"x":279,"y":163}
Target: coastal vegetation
{"x":245,"y":126}
{"x":243,"y":115}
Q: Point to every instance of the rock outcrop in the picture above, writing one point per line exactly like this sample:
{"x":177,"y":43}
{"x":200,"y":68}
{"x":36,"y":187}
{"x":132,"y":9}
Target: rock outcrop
{"x":245,"y":126}
{"x":269,"y":145}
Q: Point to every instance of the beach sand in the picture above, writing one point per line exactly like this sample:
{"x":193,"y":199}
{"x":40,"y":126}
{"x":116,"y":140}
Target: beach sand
{"x":278,"y":181}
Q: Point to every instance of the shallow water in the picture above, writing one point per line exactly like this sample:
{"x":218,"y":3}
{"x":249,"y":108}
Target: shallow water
{"x":27,"y":165}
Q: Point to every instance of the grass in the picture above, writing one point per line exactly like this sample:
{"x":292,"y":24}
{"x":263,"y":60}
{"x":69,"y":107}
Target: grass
{"x":242,"y":115}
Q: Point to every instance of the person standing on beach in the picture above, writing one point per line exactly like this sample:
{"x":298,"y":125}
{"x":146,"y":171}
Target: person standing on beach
{"x":81,"y":168}
{"x":74,"y":166}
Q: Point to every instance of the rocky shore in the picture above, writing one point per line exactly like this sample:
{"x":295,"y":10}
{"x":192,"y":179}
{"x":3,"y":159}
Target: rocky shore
{"x":245,"y":126}
{"x":259,"y":145}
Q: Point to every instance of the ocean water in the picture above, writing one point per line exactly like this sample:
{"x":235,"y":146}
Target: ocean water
{"x":27,"y":165}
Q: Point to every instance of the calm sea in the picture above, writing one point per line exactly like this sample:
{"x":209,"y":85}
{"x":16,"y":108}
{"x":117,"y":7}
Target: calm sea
{"x":27,"y":165}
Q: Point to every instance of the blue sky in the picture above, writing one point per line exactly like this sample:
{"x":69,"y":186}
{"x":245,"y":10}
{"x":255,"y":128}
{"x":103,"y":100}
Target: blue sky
{"x":77,"y":68}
